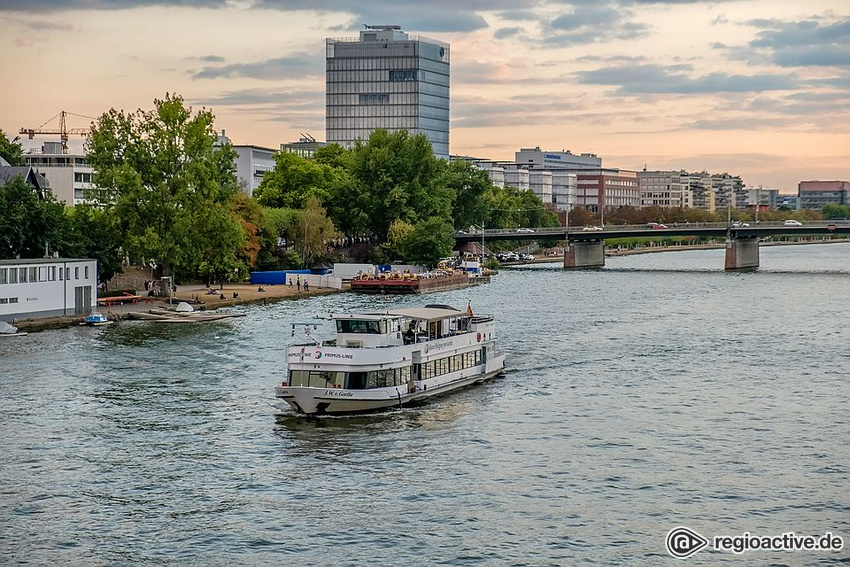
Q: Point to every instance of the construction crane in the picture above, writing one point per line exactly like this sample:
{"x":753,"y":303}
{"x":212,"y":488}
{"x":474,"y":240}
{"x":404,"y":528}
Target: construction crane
{"x":63,"y":130}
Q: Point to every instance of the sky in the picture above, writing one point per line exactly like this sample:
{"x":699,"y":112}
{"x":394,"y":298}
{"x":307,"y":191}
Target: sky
{"x":756,"y":88}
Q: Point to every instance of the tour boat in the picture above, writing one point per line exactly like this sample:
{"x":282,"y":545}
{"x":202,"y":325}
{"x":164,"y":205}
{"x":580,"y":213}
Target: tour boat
{"x":390,"y":359}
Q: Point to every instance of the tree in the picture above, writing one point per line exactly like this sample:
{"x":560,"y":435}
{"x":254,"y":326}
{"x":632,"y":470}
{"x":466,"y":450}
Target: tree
{"x":159,"y":171}
{"x":396,"y":176}
{"x":11,"y":150}
{"x":468,"y":185}
{"x":92,"y":234}
{"x":217,"y":240}
{"x":29,"y":226}
{"x":313,"y":231}
{"x":293,"y":181}
{"x":430,"y":240}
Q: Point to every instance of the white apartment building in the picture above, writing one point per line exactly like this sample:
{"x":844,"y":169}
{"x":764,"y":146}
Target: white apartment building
{"x":251,"y":164}
{"x":518,"y":178}
{"x":69,"y":175}
{"x":47,"y":287}
{"x":541,"y":183}
{"x":564,"y":188}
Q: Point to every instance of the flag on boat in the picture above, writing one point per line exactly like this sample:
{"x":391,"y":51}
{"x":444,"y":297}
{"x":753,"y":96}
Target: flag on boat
{"x":469,"y":308}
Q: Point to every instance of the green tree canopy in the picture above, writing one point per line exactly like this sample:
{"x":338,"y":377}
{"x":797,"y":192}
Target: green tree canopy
{"x":293,"y":181}
{"x":469,"y":186}
{"x":11,"y":150}
{"x":30,"y":226}
{"x":92,"y":234}
{"x":312,"y":232}
{"x":164,"y":179}
{"x":430,"y":240}
{"x":395,"y":176}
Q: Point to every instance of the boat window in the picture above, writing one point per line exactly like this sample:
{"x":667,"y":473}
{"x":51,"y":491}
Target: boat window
{"x":358,"y":326}
{"x":357,"y":381}
{"x":316,"y":379}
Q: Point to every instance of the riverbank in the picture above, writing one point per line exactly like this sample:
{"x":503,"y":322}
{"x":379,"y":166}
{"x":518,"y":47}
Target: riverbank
{"x":194,"y":294}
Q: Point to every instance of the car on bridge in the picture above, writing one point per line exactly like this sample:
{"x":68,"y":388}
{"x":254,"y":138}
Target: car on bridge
{"x":792,"y":222}
{"x":740,"y":224}
{"x":589,"y":228}
{"x":525,"y":230}
{"x":655,"y":225}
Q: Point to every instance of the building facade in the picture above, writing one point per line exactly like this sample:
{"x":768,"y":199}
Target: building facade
{"x":535,"y":158}
{"x":47,"y":287}
{"x":665,"y":189}
{"x":596,"y":189}
{"x":387,"y":79}
{"x":252,"y":163}
{"x":70,"y":175}
{"x":305,"y":147}
{"x":815,"y":194}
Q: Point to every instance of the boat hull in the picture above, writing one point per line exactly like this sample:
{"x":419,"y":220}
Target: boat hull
{"x":329,"y":401}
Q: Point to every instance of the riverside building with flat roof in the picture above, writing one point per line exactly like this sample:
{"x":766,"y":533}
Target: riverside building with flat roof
{"x":47,"y":287}
{"x":387,"y":79}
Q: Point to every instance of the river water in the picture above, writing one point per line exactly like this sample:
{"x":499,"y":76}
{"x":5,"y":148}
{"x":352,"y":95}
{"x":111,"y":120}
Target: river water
{"x":658,"y":392}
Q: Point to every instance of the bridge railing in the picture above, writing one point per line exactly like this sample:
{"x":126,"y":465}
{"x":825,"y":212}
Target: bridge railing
{"x":550,"y":231}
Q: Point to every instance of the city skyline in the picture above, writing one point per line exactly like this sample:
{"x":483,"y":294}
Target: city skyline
{"x":756,"y":88}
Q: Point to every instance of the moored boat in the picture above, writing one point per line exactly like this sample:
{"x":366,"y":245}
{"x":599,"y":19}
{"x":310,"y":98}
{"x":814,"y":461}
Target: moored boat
{"x":390,"y":359}
{"x":97,"y":320}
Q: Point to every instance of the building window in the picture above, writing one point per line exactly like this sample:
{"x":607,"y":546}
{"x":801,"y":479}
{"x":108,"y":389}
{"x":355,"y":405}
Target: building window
{"x":381,"y":98}
{"x":403,"y":75}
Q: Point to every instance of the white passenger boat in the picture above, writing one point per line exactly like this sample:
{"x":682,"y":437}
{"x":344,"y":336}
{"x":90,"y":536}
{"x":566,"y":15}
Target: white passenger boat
{"x":390,"y":359}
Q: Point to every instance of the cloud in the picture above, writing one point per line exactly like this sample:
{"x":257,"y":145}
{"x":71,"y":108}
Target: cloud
{"x":30,"y":6}
{"x":813,"y":42}
{"x":208,"y":59}
{"x":592,"y":24}
{"x":262,"y":97}
{"x":300,"y":65}
{"x":435,"y":16}
{"x":502,"y":33}
{"x":676,"y":79}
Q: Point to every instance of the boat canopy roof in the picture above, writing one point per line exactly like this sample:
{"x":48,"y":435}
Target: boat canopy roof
{"x":429,"y":314}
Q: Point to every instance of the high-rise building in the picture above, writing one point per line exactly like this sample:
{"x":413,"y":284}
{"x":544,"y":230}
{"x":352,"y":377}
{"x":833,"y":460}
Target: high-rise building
{"x":387,"y":79}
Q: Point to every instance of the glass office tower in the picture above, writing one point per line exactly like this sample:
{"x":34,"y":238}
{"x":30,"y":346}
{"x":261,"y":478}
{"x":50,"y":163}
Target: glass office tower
{"x":387,"y":79}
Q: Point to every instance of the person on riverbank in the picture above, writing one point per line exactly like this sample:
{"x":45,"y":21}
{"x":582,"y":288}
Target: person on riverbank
{"x":306,"y":285}
{"x":298,"y":284}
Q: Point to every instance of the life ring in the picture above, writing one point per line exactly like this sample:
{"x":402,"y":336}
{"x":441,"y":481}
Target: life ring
{"x":479,"y":337}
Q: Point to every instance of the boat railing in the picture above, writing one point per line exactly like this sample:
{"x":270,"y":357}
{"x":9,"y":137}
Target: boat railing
{"x":481,"y":319}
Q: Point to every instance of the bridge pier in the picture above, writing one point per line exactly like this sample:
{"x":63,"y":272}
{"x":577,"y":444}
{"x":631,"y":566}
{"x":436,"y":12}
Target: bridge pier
{"x":584,"y":254}
{"x":742,"y":253}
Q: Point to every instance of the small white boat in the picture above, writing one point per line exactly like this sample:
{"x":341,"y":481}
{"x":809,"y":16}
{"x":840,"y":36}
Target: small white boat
{"x":97,"y":320}
{"x":390,"y":359}
{"x":9,"y":330}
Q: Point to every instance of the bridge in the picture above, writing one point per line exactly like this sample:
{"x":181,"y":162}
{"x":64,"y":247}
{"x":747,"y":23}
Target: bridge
{"x":586,"y":245}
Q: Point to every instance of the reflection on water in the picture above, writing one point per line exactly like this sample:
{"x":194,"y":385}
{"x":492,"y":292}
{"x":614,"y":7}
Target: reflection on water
{"x":653,"y":393}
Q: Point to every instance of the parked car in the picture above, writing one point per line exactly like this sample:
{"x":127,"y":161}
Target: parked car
{"x":739,"y":224}
{"x":460,"y":232}
{"x":588,"y":228}
{"x":525,"y":230}
{"x":792,"y":222}
{"x":655,"y":225}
